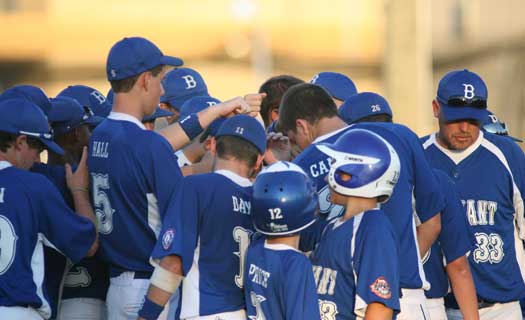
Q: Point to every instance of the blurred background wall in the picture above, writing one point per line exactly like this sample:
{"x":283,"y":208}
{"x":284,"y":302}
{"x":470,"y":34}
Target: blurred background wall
{"x":398,"y":48}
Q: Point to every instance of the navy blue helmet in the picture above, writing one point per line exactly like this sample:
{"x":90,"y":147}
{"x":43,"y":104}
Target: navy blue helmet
{"x":284,"y":200}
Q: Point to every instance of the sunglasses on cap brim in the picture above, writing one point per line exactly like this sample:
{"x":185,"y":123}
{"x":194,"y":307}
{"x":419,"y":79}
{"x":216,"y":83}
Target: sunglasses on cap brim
{"x":460,"y":101}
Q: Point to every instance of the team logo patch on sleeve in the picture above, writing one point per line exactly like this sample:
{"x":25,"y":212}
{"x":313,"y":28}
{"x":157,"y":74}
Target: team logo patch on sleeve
{"x":381,"y":288}
{"x":167,"y":238}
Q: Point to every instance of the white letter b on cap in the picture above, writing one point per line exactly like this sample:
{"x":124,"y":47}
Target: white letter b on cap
{"x":190,"y":82}
{"x":469,"y":91}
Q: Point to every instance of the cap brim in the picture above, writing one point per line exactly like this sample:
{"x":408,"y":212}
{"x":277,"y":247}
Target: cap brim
{"x":95,"y":120}
{"x":159,"y":113}
{"x":463,"y":113}
{"x":51,"y":145}
{"x":171,"y":61}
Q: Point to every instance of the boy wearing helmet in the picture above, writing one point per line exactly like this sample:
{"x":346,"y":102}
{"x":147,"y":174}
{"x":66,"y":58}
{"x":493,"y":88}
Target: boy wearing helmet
{"x":278,"y":278}
{"x":356,"y":262}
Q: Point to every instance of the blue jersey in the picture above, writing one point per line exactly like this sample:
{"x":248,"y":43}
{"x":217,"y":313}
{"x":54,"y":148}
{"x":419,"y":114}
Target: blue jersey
{"x":209,"y":227}
{"x":86,"y":279}
{"x":133,"y":174}
{"x":454,"y":240}
{"x":279,"y":283}
{"x":356,"y":264}
{"x":32,"y":213}
{"x":489,"y":178}
{"x":317,"y":165}
{"x":415,"y":182}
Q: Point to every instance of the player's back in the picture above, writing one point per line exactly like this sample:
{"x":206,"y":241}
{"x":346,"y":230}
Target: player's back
{"x":279,"y":283}
{"x":415,"y":181}
{"x":31,"y":214}
{"x":355,"y":264}
{"x":209,"y":226}
{"x":133,"y":173}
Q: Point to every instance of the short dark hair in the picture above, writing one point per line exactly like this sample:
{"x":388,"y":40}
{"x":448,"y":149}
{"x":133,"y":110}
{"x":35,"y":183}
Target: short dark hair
{"x":6,"y":140}
{"x":305,"y":101}
{"x":237,"y":148}
{"x":125,"y":85}
{"x":275,"y":87}
{"x":376,"y":118}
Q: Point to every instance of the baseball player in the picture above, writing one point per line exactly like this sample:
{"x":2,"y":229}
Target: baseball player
{"x":278,"y":278}
{"x":134,"y":171}
{"x":208,"y":229}
{"x":414,"y":184}
{"x":33,"y":213}
{"x":356,"y":267}
{"x":339,"y":86}
{"x":180,"y":85}
{"x":83,"y":289}
{"x":275,"y":87}
{"x":453,"y":244}
{"x":488,"y":173}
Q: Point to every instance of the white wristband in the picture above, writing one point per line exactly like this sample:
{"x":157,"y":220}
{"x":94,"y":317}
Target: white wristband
{"x":165,"y":280}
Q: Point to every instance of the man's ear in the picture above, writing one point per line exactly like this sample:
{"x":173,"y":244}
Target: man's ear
{"x":20,"y":141}
{"x":435,"y":108}
{"x":213,"y":146}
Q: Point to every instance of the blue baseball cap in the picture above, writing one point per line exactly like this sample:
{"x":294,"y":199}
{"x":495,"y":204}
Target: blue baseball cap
{"x":132,"y":56}
{"x":67,"y":114}
{"x":181,"y":85}
{"x":462,"y":95}
{"x":159,"y":113}
{"x":362,"y":105}
{"x":196,"y":104}
{"x":244,"y":127}
{"x":22,"y":117}
{"x":338,"y":85}
{"x":30,"y":93}
{"x":88,"y":97}
{"x":492,"y":124}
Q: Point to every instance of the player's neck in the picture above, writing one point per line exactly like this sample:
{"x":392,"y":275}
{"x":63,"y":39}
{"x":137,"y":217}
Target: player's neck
{"x":235,"y":166}
{"x":356,"y":205}
{"x":292,"y":241}
{"x":129,"y":104}
{"x":327,"y":125}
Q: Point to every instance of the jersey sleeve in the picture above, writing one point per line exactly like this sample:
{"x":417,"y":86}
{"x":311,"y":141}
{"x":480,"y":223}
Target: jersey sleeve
{"x":429,"y":199}
{"x":180,"y":226}
{"x":375,"y":262}
{"x":68,"y":232}
{"x":300,"y":292}
{"x":159,"y":163}
{"x":455,"y":238}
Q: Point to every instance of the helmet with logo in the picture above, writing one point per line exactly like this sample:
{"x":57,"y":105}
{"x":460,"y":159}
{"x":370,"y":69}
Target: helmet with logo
{"x":363,"y":165}
{"x":284,"y":200}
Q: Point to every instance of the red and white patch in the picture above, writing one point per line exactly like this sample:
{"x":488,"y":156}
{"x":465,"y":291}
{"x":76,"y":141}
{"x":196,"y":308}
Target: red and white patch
{"x":167,"y":238}
{"x":381,"y":288}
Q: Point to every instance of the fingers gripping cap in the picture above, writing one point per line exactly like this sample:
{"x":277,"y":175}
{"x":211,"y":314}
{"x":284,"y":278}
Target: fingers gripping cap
{"x":284,"y":200}
{"x":371,"y":162}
